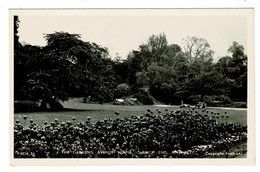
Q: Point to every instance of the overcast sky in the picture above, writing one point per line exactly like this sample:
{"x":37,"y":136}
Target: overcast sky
{"x":123,"y":33}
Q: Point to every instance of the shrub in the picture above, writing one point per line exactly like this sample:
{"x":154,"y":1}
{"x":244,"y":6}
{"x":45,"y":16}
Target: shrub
{"x":209,"y":100}
{"x":224,"y":99}
{"x":165,"y":93}
{"x":122,"y":90}
{"x":217,"y":100}
{"x":25,"y":106}
{"x":143,"y":97}
{"x":194,"y":99}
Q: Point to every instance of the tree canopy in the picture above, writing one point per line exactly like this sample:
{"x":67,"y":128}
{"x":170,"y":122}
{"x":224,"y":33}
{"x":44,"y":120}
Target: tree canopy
{"x":68,"y":66}
{"x":173,"y":74}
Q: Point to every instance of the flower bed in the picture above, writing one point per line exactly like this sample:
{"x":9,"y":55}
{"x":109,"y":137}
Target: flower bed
{"x":176,"y":134}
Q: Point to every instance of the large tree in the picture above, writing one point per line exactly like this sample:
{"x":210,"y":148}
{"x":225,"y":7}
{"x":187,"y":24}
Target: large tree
{"x":197,"y":48}
{"x":206,"y":83}
{"x":26,"y":60}
{"x":68,"y":67}
{"x":154,"y":50}
{"x":234,"y":69}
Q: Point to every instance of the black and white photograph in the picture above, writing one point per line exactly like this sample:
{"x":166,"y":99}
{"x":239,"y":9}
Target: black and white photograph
{"x":132,"y":84}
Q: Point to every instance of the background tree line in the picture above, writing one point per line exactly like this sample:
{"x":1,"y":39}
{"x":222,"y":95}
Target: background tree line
{"x":191,"y":75}
{"x":68,"y":66}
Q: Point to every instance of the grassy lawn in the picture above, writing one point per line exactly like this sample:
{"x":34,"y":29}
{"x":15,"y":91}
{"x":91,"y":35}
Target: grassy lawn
{"x":99,"y":112}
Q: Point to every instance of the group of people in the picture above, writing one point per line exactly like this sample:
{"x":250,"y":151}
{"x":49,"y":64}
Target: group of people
{"x":155,"y":134}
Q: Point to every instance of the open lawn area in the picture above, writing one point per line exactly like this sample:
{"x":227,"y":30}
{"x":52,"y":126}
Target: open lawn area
{"x":100,"y":112}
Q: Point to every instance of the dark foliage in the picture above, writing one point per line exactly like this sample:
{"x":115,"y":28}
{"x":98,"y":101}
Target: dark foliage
{"x":68,"y":66}
{"x":165,"y":93}
{"x":143,"y":97}
{"x":177,"y":134}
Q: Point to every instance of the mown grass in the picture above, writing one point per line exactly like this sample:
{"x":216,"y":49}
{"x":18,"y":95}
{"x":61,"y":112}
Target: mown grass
{"x":99,"y":112}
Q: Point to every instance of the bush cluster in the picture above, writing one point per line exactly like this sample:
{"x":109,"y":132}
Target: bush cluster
{"x":175,"y":134}
{"x":122,"y":90}
{"x":165,"y":93}
{"x":143,"y":97}
{"x":25,"y":106}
